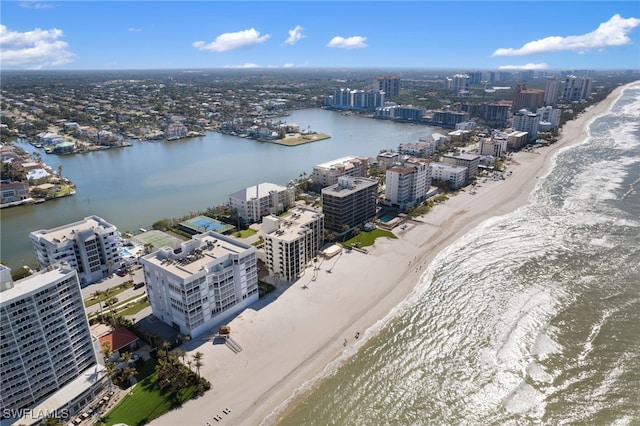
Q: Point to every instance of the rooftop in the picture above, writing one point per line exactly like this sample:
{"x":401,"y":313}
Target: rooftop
{"x":257,"y":191}
{"x":196,"y":254}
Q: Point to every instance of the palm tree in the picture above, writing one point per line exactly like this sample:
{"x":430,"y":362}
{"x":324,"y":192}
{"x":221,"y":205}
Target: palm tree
{"x":98,"y":294}
{"x":197,"y":358}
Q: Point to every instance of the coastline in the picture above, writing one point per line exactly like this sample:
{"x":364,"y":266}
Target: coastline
{"x":297,"y":332}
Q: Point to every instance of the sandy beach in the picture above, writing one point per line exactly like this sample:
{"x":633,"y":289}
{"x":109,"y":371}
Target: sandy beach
{"x":299,"y":332}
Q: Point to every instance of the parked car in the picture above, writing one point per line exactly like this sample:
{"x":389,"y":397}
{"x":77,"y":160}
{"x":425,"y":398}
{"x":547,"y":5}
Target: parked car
{"x":138,"y":285}
{"x":121,"y":272}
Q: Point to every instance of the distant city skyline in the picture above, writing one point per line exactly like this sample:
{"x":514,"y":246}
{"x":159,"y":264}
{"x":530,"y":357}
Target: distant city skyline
{"x":501,"y":35}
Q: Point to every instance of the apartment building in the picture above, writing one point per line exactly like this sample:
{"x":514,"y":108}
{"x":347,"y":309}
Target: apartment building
{"x":576,"y":89}
{"x":407,"y":185}
{"x":526,"y":121}
{"x":387,"y":159}
{"x":203,"y":282}
{"x":455,"y":175}
{"x":349,"y":203}
{"x":254,"y":202}
{"x":549,"y":118}
{"x":292,"y":241}
{"x":469,"y":161}
{"x":422,"y":148}
{"x":91,"y":246}
{"x":390,"y":85}
{"x":357,"y":99}
{"x":525,"y":98}
{"x":551,"y":92}
{"x":326,"y":174}
{"x":49,"y":358}
{"x":496,"y":145}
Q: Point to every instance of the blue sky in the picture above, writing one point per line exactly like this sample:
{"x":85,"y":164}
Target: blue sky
{"x":511,"y":35}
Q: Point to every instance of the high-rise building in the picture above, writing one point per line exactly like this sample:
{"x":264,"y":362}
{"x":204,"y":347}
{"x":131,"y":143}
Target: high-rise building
{"x":576,"y":89}
{"x":390,"y":85}
{"x":326,"y":174}
{"x":530,"y":99}
{"x":551,"y":91}
{"x":90,"y":246}
{"x":349,"y":203}
{"x":460,"y":83}
{"x":407,"y":184}
{"x":292,"y":241}
{"x":526,"y":121}
{"x":203,"y":282}
{"x":49,"y":358}
{"x":252,"y":203}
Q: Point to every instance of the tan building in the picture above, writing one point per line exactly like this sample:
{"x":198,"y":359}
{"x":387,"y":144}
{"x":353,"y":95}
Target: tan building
{"x":292,"y":241}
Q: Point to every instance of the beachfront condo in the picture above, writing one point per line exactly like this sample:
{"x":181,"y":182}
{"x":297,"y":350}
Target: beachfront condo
{"x":49,"y":357}
{"x":292,"y":241}
{"x":91,"y":246}
{"x":407,"y":184}
{"x":349,"y":203}
{"x":201,"y":283}
{"x":254,"y":202}
{"x":326,"y":174}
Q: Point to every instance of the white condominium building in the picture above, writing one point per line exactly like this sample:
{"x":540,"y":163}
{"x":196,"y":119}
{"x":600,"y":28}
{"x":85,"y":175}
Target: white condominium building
{"x":496,"y":145}
{"x":91,"y":246}
{"x":407,"y":184}
{"x":327,"y":174}
{"x":292,"y":241}
{"x":455,"y":175}
{"x":526,"y":121}
{"x":470,"y":161}
{"x":49,"y":358}
{"x":260,"y":200}
{"x":203,"y":282}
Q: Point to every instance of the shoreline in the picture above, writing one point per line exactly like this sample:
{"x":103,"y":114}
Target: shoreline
{"x":296,"y":334}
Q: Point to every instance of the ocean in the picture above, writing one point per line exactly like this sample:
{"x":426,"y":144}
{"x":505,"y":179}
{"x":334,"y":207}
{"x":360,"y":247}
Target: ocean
{"x":531,"y":318}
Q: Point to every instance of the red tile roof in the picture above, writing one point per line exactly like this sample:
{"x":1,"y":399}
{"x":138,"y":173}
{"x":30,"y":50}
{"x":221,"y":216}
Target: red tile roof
{"x":119,"y":338}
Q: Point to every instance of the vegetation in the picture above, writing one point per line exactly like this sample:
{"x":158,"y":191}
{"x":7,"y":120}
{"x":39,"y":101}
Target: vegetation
{"x":245,"y":233}
{"x":364,"y":239}
{"x":168,"y":386}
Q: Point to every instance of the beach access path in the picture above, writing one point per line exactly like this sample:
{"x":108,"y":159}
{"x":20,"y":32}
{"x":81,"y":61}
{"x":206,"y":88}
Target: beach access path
{"x":297,"y":333}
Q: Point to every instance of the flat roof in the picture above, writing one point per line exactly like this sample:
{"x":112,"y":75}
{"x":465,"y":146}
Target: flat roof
{"x":32,"y":283}
{"x":293,"y":223}
{"x":257,"y":191}
{"x":332,"y":163}
{"x":205,"y":250}
{"x":65,"y":232}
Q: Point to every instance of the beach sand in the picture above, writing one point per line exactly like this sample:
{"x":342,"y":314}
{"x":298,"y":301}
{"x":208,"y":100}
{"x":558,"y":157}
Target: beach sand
{"x":290,"y":337}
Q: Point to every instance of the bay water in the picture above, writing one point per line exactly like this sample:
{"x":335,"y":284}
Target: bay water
{"x":135,"y":186}
{"x":533,"y":318}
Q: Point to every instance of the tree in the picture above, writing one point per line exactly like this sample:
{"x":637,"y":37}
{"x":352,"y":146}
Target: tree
{"x":98,"y":295}
{"x":197,"y":361}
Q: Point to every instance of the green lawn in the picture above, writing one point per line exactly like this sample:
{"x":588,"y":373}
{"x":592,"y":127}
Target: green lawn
{"x":365,"y":239}
{"x":134,"y":309}
{"x":245,"y":233}
{"x":146,"y":402}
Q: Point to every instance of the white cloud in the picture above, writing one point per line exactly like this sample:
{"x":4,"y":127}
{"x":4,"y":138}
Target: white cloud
{"x":248,"y":65}
{"x":529,"y":66}
{"x":252,"y":65}
{"x":610,"y":33}
{"x":230,"y":41}
{"x":355,"y":42}
{"x":134,"y":30}
{"x":33,"y":49}
{"x":295,"y":35}
{"x":34,"y":5}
